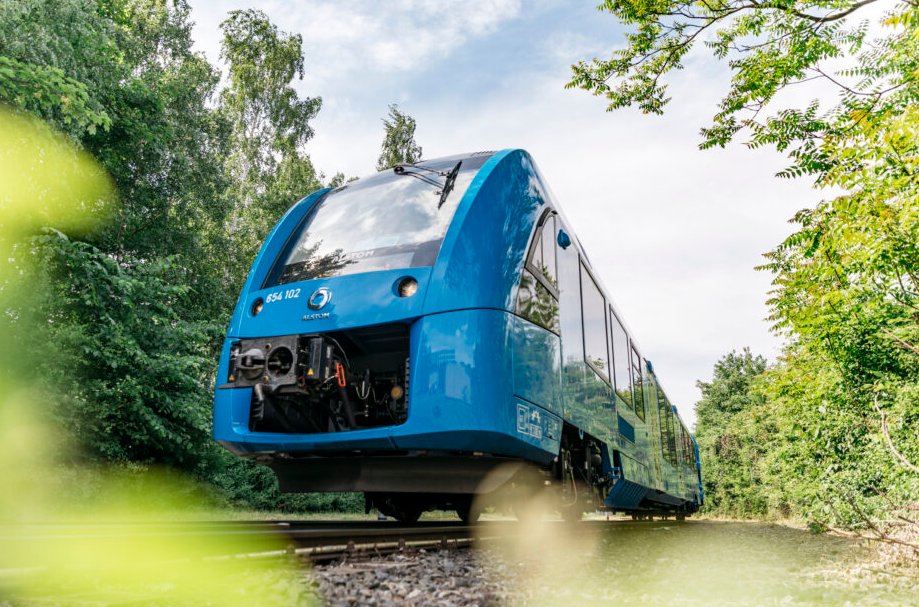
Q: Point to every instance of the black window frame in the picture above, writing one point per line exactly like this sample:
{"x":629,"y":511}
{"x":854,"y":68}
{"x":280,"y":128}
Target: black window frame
{"x":636,"y":365}
{"x":612,"y":347}
{"x":604,"y":375}
{"x":530,"y":269}
{"x":538,"y":235}
{"x":665,"y":415}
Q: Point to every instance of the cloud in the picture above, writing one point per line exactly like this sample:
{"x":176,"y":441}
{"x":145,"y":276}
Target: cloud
{"x":342,"y":38}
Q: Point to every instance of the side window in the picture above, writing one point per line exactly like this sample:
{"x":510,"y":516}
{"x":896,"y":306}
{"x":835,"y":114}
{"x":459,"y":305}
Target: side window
{"x":547,"y":238}
{"x":541,"y":260}
{"x":671,"y":438}
{"x":537,"y":297}
{"x":666,"y":423}
{"x":690,"y":459}
{"x":621,"y":367}
{"x":594,"y":314}
{"x":679,"y":445}
{"x":638,"y":398}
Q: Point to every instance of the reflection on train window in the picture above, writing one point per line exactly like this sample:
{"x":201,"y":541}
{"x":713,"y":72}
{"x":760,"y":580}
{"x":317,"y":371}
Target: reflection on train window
{"x":383,"y":222}
{"x":678,"y":440}
{"x":569,"y":290}
{"x":594,"y":314}
{"x":637,"y":385}
{"x":548,"y":251}
{"x":537,"y":297}
{"x":651,"y":392}
{"x":536,"y":303}
{"x":541,"y":261}
{"x":668,"y":446}
{"x":621,"y":366}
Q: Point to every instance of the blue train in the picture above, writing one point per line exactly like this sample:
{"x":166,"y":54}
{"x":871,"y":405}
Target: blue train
{"x":435,"y":332}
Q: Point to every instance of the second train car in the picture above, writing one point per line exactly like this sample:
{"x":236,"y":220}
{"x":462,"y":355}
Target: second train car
{"x":430,"y":333}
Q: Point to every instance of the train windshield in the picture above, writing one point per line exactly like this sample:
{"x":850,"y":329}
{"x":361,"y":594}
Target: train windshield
{"x":387,"y":221}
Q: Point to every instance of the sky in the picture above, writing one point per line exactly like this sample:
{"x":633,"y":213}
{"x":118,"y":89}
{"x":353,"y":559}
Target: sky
{"x":673,"y":232}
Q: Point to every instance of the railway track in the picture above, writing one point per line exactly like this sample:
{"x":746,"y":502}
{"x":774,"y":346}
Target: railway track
{"x":316,"y":541}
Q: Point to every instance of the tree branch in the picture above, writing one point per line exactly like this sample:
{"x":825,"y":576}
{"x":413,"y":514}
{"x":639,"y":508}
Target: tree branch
{"x":901,"y":341}
{"x":827,"y":18}
{"x":908,"y":464}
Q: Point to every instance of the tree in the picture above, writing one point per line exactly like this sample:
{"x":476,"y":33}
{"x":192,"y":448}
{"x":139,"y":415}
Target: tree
{"x":399,"y":145}
{"x":731,"y":475}
{"x":45,"y":71}
{"x":134,"y":344}
{"x":270,"y":126}
{"x":124,"y":319}
{"x":846,"y":286}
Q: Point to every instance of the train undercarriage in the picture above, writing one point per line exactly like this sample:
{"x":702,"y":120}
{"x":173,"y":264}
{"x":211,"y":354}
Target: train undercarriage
{"x":405,"y":485}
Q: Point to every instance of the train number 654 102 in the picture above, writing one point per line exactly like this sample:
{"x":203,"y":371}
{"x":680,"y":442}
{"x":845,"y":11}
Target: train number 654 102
{"x":279,"y":295}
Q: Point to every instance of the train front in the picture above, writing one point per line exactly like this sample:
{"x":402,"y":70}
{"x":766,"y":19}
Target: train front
{"x":371,"y":347}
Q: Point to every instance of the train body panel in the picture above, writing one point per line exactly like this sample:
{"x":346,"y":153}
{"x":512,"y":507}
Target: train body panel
{"x":443,"y":317}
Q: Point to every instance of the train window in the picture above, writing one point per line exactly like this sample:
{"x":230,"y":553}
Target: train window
{"x":548,"y":251}
{"x":536,"y":303}
{"x":385,"y":221}
{"x":651,"y":392}
{"x":690,"y":452}
{"x":621,"y":367}
{"x":570,"y":311}
{"x":678,"y":441}
{"x":594,"y":314}
{"x":666,"y":425}
{"x":541,"y":261}
{"x":537,"y":297}
{"x":638,"y":398}
{"x":671,"y":436}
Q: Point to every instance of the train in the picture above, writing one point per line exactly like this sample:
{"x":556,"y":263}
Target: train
{"x":434,"y":334}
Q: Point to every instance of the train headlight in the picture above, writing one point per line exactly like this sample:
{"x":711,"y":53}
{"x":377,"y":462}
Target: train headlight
{"x":257,"y":306}
{"x":407,"y":287}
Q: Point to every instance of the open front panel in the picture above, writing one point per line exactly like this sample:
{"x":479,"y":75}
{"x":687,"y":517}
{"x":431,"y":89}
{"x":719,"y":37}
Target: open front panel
{"x":332,"y":382}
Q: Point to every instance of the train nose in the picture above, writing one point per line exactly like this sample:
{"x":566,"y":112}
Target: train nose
{"x":328,"y":304}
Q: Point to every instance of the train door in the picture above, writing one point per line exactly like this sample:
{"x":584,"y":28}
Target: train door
{"x":537,"y":356}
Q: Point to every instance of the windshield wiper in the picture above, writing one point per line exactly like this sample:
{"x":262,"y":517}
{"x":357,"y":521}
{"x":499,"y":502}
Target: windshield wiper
{"x":424,"y":174}
{"x":448,"y":183}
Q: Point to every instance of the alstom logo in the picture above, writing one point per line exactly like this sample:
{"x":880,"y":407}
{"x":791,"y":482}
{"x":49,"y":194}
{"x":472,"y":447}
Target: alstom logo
{"x":319,"y":299}
{"x":316,"y":316}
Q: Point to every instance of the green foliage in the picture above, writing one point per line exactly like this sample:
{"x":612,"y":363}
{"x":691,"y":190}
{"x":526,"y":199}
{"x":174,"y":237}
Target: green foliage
{"x":47,"y":92}
{"x":836,"y":439}
{"x":129,"y":368}
{"x":57,"y":59}
{"x":399,"y":144}
{"x":249,"y":485}
{"x":131,"y":316}
{"x":732,"y":440}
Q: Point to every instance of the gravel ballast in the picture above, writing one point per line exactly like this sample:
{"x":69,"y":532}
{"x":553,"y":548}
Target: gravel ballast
{"x":442,"y":578}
